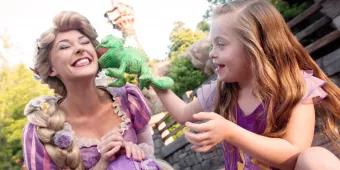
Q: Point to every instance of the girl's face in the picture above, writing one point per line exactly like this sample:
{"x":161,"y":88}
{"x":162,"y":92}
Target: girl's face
{"x":73,"y":56}
{"x":228,"y":54}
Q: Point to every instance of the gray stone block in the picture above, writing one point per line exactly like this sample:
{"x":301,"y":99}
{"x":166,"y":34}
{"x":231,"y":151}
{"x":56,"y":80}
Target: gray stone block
{"x":199,"y":156}
{"x":188,"y":162}
{"x":331,"y":8}
{"x":336,"y":79}
{"x":182,"y":163}
{"x":197,"y":167}
{"x":188,"y":147}
{"x":208,"y":156}
{"x":206,"y":164}
{"x":336,"y":22}
{"x":176,"y":166}
{"x":330,"y":63}
{"x":171,"y":159}
{"x":182,"y":155}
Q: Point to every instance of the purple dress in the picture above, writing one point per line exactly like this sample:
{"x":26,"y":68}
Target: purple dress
{"x":134,"y":113}
{"x":235,"y":159}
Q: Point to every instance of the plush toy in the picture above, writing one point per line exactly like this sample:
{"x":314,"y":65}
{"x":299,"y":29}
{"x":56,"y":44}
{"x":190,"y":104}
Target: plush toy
{"x":119,"y":60}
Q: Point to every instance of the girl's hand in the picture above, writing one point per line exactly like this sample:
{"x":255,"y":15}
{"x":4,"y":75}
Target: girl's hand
{"x":134,"y":151}
{"x":204,"y":136}
{"x":125,"y":18}
{"x":109,"y":145}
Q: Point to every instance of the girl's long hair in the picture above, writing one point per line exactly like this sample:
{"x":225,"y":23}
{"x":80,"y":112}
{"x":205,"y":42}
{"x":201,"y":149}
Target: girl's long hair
{"x":277,"y":59}
{"x":48,"y":125}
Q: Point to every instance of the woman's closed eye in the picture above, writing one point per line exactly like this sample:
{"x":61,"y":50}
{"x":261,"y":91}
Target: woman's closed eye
{"x":63,"y":46}
{"x":85,"y":42}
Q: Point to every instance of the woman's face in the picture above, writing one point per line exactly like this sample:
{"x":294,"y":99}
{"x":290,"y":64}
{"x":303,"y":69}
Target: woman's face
{"x":228,"y":54}
{"x":73,"y":56}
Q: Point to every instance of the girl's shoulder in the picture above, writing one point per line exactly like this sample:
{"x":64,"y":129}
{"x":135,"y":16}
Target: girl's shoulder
{"x":314,"y":91}
{"x":206,"y":95}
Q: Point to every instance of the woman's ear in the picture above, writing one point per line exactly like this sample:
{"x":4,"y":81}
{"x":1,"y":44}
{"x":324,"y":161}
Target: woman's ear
{"x":52,"y":72}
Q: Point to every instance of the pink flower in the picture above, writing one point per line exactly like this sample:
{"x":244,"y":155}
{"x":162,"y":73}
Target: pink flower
{"x":63,"y":139}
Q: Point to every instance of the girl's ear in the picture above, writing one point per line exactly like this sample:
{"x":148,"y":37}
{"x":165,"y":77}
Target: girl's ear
{"x":52,"y":72}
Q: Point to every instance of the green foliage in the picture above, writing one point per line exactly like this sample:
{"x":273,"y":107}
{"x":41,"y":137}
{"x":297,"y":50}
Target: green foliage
{"x":186,"y":77}
{"x":173,"y":128}
{"x":213,"y":3}
{"x":181,"y":38}
{"x":203,"y":26}
{"x":17,"y":87}
{"x":289,"y":11}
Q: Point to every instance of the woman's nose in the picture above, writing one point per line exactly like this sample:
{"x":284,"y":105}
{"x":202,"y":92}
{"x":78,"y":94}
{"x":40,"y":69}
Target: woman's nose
{"x":79,"y":51}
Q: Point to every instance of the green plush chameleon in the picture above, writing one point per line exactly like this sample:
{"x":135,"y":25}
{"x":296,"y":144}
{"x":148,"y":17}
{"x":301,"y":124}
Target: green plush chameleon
{"x":119,"y":60}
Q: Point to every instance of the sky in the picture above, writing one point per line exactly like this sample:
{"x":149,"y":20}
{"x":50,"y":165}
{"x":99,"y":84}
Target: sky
{"x":24,"y":20}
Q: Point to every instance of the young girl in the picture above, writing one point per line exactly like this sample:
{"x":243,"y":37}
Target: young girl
{"x":84,"y":127}
{"x":266,"y":95}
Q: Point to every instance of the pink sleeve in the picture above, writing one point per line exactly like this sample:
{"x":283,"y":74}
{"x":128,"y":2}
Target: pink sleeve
{"x":35,"y":154}
{"x":206,"y":95}
{"x":314,"y":91}
{"x":138,"y":108}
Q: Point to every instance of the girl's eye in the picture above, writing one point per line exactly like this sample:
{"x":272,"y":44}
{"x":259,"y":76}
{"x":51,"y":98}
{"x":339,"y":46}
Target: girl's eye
{"x":220,"y":44}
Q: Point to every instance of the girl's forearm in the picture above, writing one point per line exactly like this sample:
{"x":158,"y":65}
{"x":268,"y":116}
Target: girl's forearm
{"x":174,"y":105}
{"x":275,"y":152}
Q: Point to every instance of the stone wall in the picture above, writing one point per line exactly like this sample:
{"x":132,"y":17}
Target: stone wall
{"x":180,"y":155}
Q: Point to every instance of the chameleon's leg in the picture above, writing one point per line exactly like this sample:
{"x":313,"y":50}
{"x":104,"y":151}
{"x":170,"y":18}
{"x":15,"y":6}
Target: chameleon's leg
{"x":145,"y":77}
{"x":162,"y":82}
{"x":118,"y":83}
{"x":117,"y":73}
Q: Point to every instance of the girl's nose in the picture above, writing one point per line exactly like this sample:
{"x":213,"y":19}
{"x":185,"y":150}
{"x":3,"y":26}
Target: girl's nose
{"x":212,"y":55}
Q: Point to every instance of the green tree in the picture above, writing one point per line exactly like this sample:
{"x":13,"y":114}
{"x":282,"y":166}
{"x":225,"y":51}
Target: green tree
{"x":181,"y":38}
{"x":17,"y":87}
{"x":186,"y":77}
{"x":203,"y":26}
{"x":288,"y":10}
{"x":212,"y":4}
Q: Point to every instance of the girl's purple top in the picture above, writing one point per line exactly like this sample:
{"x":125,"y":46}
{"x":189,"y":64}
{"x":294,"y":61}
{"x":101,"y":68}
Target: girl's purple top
{"x":132,"y":105}
{"x":235,"y":159}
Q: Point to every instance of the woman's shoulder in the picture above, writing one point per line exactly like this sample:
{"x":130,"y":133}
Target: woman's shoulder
{"x":133,"y":102}
{"x":36,"y":108}
{"x":129,"y":93}
{"x":39,"y":103}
